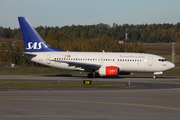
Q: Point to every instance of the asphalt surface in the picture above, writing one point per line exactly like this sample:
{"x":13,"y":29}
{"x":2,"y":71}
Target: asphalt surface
{"x":145,"y":99}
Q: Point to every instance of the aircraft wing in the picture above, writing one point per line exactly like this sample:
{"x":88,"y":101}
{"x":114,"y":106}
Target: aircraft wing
{"x":85,"y":66}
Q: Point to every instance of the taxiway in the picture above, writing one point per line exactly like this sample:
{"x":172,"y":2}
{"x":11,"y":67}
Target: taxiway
{"x":145,"y":99}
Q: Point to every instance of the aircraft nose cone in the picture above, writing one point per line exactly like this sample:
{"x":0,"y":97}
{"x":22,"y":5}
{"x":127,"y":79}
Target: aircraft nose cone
{"x":171,"y":65}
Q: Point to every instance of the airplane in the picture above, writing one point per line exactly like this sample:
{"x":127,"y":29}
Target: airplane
{"x":100,"y":63}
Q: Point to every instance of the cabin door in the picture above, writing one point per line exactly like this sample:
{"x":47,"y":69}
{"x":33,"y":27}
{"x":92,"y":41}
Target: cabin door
{"x":150,"y":61}
{"x":48,"y":59}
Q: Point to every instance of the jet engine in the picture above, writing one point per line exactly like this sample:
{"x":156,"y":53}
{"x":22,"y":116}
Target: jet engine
{"x":109,"y":71}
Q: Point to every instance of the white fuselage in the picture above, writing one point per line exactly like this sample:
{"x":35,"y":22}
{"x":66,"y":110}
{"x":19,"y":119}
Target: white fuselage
{"x":102,"y":63}
{"x":126,"y":62}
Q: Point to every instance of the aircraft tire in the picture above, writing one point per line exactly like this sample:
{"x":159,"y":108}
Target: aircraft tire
{"x":97,"y":75}
{"x":154,"y":76}
{"x":90,"y":75}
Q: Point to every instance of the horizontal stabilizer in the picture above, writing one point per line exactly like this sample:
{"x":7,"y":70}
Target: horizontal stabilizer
{"x":24,"y":53}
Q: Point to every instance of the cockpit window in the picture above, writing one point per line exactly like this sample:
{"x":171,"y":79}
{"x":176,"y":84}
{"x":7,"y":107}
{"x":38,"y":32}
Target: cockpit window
{"x":162,"y":60}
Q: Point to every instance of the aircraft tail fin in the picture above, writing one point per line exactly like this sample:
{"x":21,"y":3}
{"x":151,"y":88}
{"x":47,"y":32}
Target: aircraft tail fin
{"x":32,"y":40}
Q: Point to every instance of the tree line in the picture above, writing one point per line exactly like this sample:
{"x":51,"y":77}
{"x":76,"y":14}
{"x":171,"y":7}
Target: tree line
{"x":88,"y":38}
{"x":144,"y":33}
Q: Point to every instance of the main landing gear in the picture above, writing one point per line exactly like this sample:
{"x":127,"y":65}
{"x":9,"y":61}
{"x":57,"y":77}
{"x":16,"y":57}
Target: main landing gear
{"x":91,"y":75}
{"x":97,"y":75}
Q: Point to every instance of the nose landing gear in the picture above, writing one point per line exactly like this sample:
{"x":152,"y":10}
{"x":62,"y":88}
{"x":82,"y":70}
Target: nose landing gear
{"x":90,"y":75}
{"x":154,"y":76}
{"x":157,"y":73}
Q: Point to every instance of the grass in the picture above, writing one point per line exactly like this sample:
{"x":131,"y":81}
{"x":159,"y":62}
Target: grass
{"x":38,"y":71}
{"x":55,"y":71}
{"x":172,"y":72}
{"x":15,"y":84}
{"x":161,"y":49}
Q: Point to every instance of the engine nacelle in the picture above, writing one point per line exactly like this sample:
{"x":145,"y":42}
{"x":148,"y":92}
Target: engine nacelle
{"x":109,"y":71}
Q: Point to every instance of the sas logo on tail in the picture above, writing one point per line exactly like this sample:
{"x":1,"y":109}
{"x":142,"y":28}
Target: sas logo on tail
{"x":35,"y":45}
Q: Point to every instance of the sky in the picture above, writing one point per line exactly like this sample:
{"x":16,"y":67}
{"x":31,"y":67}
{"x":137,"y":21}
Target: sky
{"x":88,"y":12}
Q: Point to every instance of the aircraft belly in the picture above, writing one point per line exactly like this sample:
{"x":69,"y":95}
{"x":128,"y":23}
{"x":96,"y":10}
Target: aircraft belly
{"x":136,"y":67}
